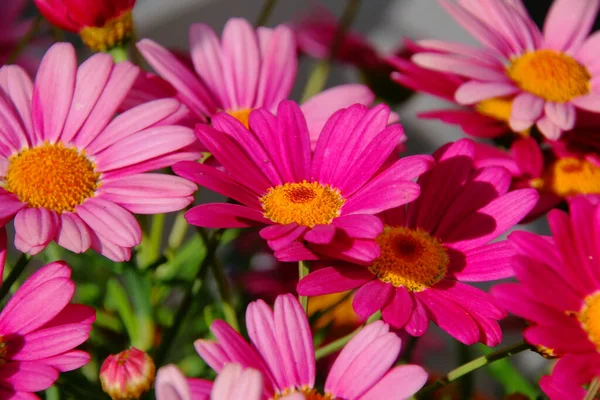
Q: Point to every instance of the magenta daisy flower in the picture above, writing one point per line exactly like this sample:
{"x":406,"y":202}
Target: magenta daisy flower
{"x":314,"y":203}
{"x":563,"y":306}
{"x":282,"y":350}
{"x":434,"y":245}
{"x":37,"y":343}
{"x":69,"y":172}
{"x":549,"y":73}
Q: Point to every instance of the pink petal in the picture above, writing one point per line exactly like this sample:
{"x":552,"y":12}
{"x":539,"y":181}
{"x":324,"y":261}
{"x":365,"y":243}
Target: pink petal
{"x":10,"y":206}
{"x":486,"y":263}
{"x":453,"y":64}
{"x":290,"y":237}
{"x":111,"y":221}
{"x":35,"y":228}
{"x":171,"y":384}
{"x":526,"y":109}
{"x":27,"y":376}
{"x":73,"y":314}
{"x":212,"y":353}
{"x":108,"y":249}
{"x":53,"y":91}
{"x":222,"y":215}
{"x":359,"y":226}
{"x":568,"y":23}
{"x":334,"y":280}
{"x":562,"y":115}
{"x":296,"y":144}
{"x":68,"y":361}
{"x":51,"y":341}
{"x":3,"y":251}
{"x":235,"y":383}
{"x":372,"y":297}
{"x":589,"y":102}
{"x":398,"y":311}
{"x":586,"y":54}
{"x":469,"y":298}
{"x":548,"y":128}
{"x":17,"y":84}
{"x":400,"y":382}
{"x":528,"y":155}
{"x":418,"y":323}
{"x":473,"y":92}
{"x":73,"y":233}
{"x":320,"y":234}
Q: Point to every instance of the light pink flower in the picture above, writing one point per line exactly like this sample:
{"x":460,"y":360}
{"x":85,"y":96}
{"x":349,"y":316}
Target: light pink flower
{"x":282,"y":350}
{"x":39,"y":330}
{"x":559,"y":295}
{"x":72,"y":172}
{"x":314,"y":204}
{"x":549,"y":73}
{"x":432,"y":246}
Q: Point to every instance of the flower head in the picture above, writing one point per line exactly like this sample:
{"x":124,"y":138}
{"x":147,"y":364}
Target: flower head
{"x":546,"y":74}
{"x":71,"y":173}
{"x":127,"y":375}
{"x":314,"y":203}
{"x":101,"y":24}
{"x":39,"y":331}
{"x":282,"y":351}
{"x":559,"y":295}
{"x":432,"y":246}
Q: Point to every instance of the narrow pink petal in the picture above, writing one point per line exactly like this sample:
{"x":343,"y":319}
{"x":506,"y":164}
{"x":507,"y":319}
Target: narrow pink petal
{"x":568,"y":23}
{"x":10,"y":206}
{"x":68,"y":361}
{"x":398,"y":311}
{"x":295,"y":342}
{"x":23,"y":315}
{"x":234,"y":383}
{"x":526,"y":109}
{"x":561,"y":114}
{"x":149,"y":193}
{"x":73,"y":233}
{"x":108,"y":249}
{"x":35,"y":228}
{"x":191,"y":90}
{"x":12,"y":135}
{"x":212,"y":353}
{"x":473,"y":92}
{"x":358,"y":251}
{"x":17,"y":84}
{"x":418,"y":323}
{"x":472,"y":123}
{"x":133,"y":120}
{"x":469,"y":298}
{"x":548,"y":128}
{"x":199,"y":388}
{"x":372,"y":297}
{"x":278,"y":67}
{"x":296,"y":144}
{"x":58,"y":269}
{"x":241,"y":62}
{"x":334,"y":280}
{"x":110,"y":221}
{"x":290,"y":237}
{"x":207,"y":56}
{"x":222,"y":215}
{"x":485,"y":263}
{"x":294,"y":252}
{"x":359,"y":226}
{"x":171,"y":384}
{"x":27,"y":376}
{"x":53,"y":91}
{"x":51,"y":341}
{"x":450,"y":63}
{"x":400,"y":382}
{"x":92,"y":77}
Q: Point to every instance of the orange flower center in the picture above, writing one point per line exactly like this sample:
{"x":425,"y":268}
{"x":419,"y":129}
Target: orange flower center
{"x":568,"y":177}
{"x":305,"y":203}
{"x":551,"y":75}
{"x":309,"y":394}
{"x":589,"y":317}
{"x":410,"y":258}
{"x":51,"y":176}
{"x":113,"y":33}
{"x":242,"y":115}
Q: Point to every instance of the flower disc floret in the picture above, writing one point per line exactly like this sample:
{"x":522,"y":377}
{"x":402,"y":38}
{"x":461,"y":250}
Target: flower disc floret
{"x":305,"y":203}
{"x":242,"y":115}
{"x":410,"y":258}
{"x":589,"y":317}
{"x":570,"y":176}
{"x":52,"y":176}
{"x":551,"y":75}
{"x":115,"y":32}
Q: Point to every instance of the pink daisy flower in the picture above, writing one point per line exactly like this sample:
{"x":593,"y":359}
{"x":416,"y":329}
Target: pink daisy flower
{"x":39,"y":330}
{"x":314,"y":203}
{"x":563,"y":307}
{"x":283,"y":352}
{"x":431,"y":247}
{"x":549,"y":73}
{"x":71,"y":173}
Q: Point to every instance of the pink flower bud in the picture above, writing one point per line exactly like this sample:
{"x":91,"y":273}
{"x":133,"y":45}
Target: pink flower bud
{"x":127,"y":375}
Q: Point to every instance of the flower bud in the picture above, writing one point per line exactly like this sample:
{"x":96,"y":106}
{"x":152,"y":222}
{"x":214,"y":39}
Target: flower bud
{"x":127,"y":375}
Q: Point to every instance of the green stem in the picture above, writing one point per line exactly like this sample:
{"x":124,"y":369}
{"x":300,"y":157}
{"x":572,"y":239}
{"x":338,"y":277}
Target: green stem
{"x":472,"y":366}
{"x":341,"y":342}
{"x":191,"y":292}
{"x":35,"y":27}
{"x":265,"y":12}
{"x":156,"y":236}
{"x":225,"y":293}
{"x":178,"y":231}
{"x":119,"y":53}
{"x":466,"y":383}
{"x":303,"y":270}
{"x":593,"y":389}
{"x":14,"y":274}
{"x":318,"y":77}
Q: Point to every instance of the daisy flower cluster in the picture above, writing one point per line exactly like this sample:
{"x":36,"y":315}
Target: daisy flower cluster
{"x":179,"y":225}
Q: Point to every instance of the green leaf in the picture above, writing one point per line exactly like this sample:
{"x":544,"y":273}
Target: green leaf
{"x":507,"y":375}
{"x":118,"y":300}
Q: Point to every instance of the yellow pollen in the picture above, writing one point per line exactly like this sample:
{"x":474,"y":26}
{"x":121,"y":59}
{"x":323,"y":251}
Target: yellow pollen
{"x":307,"y":204}
{"x":51,"y":176}
{"x":568,"y":177}
{"x":113,"y":33}
{"x":242,"y":115}
{"x":410,"y":258}
{"x":589,"y":317}
{"x":498,"y":108}
{"x":551,"y":75}
{"x":545,"y":352}
{"x":309,"y":394}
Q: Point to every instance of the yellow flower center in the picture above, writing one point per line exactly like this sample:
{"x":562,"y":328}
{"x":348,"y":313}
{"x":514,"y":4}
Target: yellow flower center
{"x":589,"y":317}
{"x":568,"y":177}
{"x":309,"y":394}
{"x":410,"y":258}
{"x":51,"y":176}
{"x":307,"y":204}
{"x":114,"y":33}
{"x":551,"y":75}
{"x":498,"y":108}
{"x":242,"y":115}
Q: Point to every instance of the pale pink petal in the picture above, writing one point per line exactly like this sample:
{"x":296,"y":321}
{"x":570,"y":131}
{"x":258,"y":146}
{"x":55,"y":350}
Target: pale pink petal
{"x":53,"y":91}
{"x":73,"y":233}
{"x":449,"y":63}
{"x":27,"y":376}
{"x":148,"y":193}
{"x":548,"y":128}
{"x":526,"y":109}
{"x":17,"y":84}
{"x":234,"y":383}
{"x":399,"y":383}
{"x":561,"y":114}
{"x":587,"y":53}
{"x":171,"y":384}
{"x":473,"y":92}
{"x":334,"y":280}
{"x":589,"y":102}
{"x":568,"y":23}
{"x":35,"y":228}
{"x":110,"y":221}
{"x":212,"y":353}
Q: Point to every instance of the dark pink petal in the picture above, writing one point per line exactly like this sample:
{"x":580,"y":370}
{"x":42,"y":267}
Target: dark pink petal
{"x":294,"y":252}
{"x":398,"y":311}
{"x":484,"y":263}
{"x":528,"y":155}
{"x":73,"y":314}
{"x":541,"y":248}
{"x":372,"y":297}
{"x":585,"y":223}
{"x":223,"y":215}
{"x":10,"y":206}
{"x":52,"y":341}
{"x":35,"y":228}
{"x":296,"y":143}
{"x":361,"y":251}
{"x":68,"y":361}
{"x":418,"y":323}
{"x":559,"y":337}
{"x":320,"y":234}
{"x":469,"y":298}
{"x":360,"y":226}
{"x":73,"y":233}
{"x":400,"y":382}
{"x":334,"y":280}
{"x":277,"y":231}
{"x":27,"y":376}
{"x":286,"y":239}
{"x":111,"y":221}
{"x":58,"y":269}
{"x":3,"y":251}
